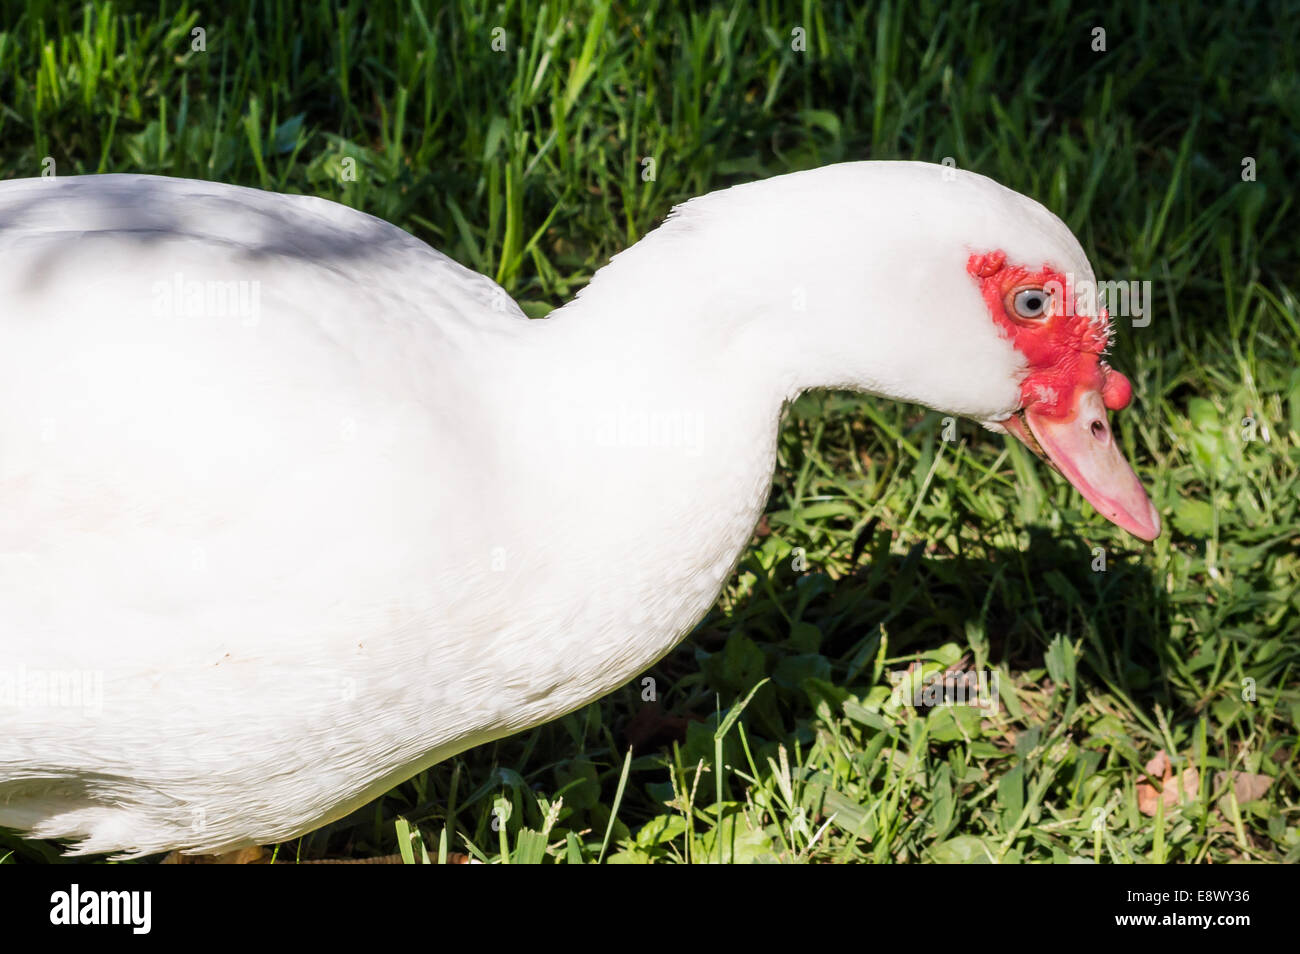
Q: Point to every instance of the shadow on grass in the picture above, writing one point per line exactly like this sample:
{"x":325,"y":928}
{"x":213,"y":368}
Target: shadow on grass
{"x":815,"y":640}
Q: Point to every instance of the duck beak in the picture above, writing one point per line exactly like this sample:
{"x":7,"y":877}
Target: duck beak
{"x":1082,"y":448}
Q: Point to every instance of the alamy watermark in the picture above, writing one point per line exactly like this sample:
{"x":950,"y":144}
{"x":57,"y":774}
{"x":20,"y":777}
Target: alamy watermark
{"x":182,"y":298}
{"x":944,"y":688}
{"x":636,"y":427}
{"x":25,"y":688}
{"x":1121,"y":299}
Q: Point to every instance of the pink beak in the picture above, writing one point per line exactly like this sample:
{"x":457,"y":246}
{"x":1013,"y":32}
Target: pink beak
{"x":1082,"y":447}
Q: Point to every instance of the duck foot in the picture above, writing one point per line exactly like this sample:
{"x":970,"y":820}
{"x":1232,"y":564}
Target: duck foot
{"x":260,"y":856}
{"x":243,"y":856}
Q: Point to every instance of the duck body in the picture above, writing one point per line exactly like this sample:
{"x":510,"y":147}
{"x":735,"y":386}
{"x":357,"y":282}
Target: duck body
{"x":309,"y":551}
{"x":306,"y":507}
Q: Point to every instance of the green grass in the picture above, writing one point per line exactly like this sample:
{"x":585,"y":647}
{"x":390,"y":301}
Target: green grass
{"x":526,"y":164}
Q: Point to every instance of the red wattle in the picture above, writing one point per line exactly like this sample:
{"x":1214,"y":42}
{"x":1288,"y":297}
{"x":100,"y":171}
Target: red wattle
{"x":1117,"y":391}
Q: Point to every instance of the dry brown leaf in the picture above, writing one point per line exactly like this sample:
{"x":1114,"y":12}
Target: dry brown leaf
{"x":1248,"y":786}
{"x":1162,"y":768}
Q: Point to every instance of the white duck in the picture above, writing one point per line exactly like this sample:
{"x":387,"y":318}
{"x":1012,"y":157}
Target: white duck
{"x":305,"y":536}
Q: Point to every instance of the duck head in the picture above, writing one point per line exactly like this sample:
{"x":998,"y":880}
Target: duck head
{"x":998,"y":321}
{"x":909,"y":280}
{"x":1067,"y":386}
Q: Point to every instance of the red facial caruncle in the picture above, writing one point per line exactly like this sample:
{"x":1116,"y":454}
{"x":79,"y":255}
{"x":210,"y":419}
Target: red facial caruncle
{"x":1063,"y":347}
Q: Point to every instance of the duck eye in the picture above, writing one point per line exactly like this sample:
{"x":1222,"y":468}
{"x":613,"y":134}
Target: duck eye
{"x":1030,"y":303}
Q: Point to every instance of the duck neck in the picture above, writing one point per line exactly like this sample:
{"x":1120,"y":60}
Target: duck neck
{"x":672,"y":380}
